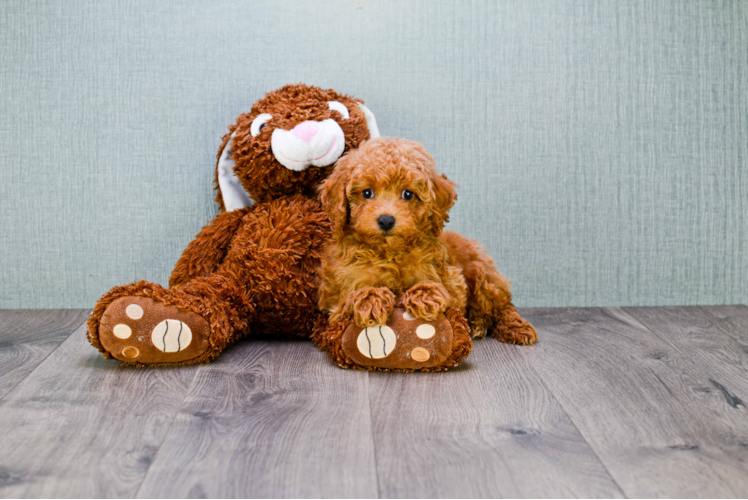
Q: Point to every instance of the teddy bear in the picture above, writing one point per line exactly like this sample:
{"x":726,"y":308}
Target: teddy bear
{"x":253,"y":268}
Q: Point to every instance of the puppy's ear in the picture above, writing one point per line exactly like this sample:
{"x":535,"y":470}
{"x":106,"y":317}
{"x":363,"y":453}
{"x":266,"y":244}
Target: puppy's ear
{"x":444,"y":197}
{"x":332,"y":194}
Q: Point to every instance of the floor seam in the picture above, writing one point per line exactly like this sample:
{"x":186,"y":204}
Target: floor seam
{"x":371,"y":433}
{"x":2,"y":397}
{"x":592,"y":449}
{"x":170,"y":427}
{"x":579,"y":431}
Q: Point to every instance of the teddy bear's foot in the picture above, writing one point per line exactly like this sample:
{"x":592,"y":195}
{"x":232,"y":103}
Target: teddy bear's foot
{"x":404,"y":343}
{"x":139,"y":330}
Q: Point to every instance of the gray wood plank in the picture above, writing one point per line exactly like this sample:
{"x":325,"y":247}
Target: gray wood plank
{"x":272,"y":419}
{"x":28,"y":336}
{"x":729,"y":311}
{"x":646,"y":405}
{"x":489,"y":428}
{"x":83,"y":426}
{"x":713,"y":337}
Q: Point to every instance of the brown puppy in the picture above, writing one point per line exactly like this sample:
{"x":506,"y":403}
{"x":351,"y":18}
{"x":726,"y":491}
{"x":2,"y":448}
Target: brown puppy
{"x":388,"y":206}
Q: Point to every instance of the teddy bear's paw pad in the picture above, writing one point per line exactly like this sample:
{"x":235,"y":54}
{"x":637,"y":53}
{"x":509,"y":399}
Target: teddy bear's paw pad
{"x":376,"y":342}
{"x":141,"y":330}
{"x":171,"y":335}
{"x":404,"y":343}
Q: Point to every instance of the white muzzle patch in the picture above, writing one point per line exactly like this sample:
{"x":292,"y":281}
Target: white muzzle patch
{"x":310,"y":143}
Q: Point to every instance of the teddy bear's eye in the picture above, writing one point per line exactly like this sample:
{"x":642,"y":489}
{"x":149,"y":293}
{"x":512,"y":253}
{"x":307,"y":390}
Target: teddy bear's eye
{"x":259,"y":123}
{"x":407,"y":195}
{"x":368,"y":194}
{"x":340,"y":108}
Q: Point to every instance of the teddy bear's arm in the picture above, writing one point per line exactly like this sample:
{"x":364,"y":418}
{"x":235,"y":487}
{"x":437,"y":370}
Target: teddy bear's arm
{"x":209,"y":248}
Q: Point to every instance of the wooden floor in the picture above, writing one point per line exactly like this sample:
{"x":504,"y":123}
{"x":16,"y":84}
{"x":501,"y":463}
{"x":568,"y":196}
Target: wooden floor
{"x":610,"y":403}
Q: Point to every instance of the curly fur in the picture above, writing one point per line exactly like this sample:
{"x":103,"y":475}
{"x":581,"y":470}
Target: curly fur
{"x":364,"y":266}
{"x":254,"y":269}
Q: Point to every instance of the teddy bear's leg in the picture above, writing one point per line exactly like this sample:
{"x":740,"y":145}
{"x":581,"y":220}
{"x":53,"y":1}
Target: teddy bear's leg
{"x":404,"y":343}
{"x":205,"y":254}
{"x":146,"y":324}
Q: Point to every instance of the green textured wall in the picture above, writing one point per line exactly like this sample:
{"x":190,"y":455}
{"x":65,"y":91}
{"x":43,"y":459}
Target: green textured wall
{"x":601,"y":147}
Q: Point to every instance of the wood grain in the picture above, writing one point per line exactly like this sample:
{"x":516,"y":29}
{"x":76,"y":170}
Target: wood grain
{"x":28,"y":336}
{"x":715,"y":337}
{"x":736,"y":312}
{"x":642,"y":402}
{"x":647,"y":404}
{"x":83,"y":426}
{"x":269,"y":419}
{"x":490,"y":428}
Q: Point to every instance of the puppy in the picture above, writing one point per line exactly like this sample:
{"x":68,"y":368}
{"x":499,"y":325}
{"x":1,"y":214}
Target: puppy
{"x":389,"y":206}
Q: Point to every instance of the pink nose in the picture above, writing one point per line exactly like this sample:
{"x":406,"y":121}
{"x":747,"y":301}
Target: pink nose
{"x":306,"y":130}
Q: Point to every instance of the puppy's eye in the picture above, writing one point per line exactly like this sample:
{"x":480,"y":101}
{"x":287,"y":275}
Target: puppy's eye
{"x":259,"y":123}
{"x":368,"y":194}
{"x":340,"y":108}
{"x":407,"y":195}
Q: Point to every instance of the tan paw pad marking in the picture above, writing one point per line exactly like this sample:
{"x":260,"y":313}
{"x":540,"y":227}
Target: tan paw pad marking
{"x":420,"y":354}
{"x":408,"y":317}
{"x":376,"y":342}
{"x":425,"y":331}
{"x":122,"y":331}
{"x":134,"y":311}
{"x":171,"y":335}
{"x":130,"y":352}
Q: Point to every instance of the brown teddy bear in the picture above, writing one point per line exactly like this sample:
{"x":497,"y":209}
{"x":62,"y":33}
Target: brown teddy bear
{"x":253,"y":268}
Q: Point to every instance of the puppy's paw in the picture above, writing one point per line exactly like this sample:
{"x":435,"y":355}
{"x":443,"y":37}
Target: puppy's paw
{"x":370,"y":306}
{"x":426,"y":300}
{"x":513,"y":329}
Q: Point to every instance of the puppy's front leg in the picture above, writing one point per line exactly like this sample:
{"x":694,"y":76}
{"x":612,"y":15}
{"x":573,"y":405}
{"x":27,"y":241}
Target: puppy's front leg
{"x":370,"y":306}
{"x":426,"y":300}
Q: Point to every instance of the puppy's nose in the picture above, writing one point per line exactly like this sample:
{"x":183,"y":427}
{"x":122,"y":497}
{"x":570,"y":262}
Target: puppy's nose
{"x":386,"y":222}
{"x":306,"y":130}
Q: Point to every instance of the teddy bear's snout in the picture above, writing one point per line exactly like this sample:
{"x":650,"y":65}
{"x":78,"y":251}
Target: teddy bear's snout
{"x":310,"y":143}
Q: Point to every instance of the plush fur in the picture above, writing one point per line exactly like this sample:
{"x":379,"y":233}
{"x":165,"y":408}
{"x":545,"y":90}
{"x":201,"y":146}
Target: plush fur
{"x":366,"y":268}
{"x":252,"y":269}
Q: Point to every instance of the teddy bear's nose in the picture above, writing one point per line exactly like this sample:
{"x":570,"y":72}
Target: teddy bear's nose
{"x":306,"y":130}
{"x":386,"y":222}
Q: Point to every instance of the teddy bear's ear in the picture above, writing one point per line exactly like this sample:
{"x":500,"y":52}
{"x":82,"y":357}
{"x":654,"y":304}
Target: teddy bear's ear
{"x":230,"y":189}
{"x":371,"y":121}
